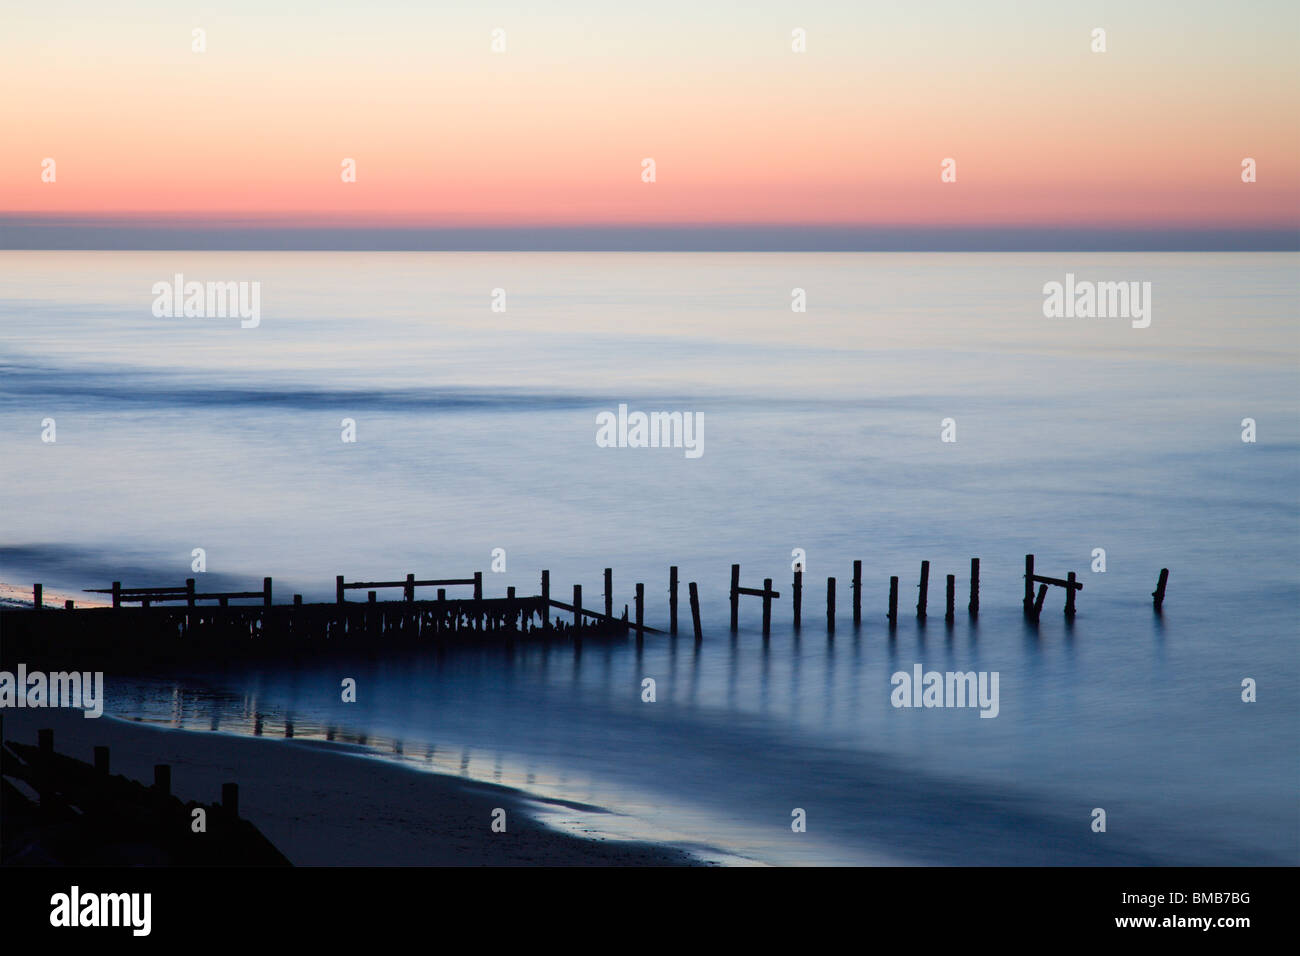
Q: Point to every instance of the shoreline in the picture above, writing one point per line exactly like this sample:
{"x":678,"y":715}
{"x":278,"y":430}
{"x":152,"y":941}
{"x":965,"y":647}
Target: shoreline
{"x":321,"y":805}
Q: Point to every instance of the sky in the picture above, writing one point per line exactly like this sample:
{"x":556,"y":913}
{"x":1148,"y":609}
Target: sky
{"x":1048,"y":137}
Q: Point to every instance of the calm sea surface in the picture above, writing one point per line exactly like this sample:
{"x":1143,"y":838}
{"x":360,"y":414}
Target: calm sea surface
{"x":476,"y":430}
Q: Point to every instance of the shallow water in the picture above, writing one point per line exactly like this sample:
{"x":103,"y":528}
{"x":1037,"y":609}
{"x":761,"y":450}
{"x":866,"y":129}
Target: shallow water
{"x":476,"y":430}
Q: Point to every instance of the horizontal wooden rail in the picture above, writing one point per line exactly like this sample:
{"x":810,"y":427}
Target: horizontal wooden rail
{"x":758,"y":592}
{"x":1059,"y":582}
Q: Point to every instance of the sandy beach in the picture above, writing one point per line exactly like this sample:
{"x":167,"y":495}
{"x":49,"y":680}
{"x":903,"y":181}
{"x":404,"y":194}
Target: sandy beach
{"x":321,"y":805}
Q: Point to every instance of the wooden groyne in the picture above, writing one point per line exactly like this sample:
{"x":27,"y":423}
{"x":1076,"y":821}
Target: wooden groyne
{"x":166,"y":625}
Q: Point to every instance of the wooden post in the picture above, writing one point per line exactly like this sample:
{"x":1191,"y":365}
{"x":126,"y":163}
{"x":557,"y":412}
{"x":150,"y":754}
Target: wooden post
{"x":893,"y":599}
{"x":546,"y":602}
{"x":372,"y":597}
{"x":478,"y":585}
{"x":735,"y":596}
{"x":640,"y":611}
{"x":442,"y":594}
{"x":117,"y":594}
{"x":767,"y":606}
{"x":577,"y":607}
{"x":798,"y":600}
{"x":1158,"y":595}
{"x":830,"y":605}
{"x":67,"y":605}
{"x":189,"y":592}
{"x":857,"y":593}
{"x":924,"y":597}
{"x":672,"y":599}
{"x":695,"y":610}
{"x":37,"y":599}
{"x":1029,"y":585}
{"x":1069,"y":595}
{"x":230,"y":800}
{"x":409,"y":591}
{"x":952,"y":595}
{"x":101,"y":760}
{"x":266,"y":592}
{"x":609,"y":592}
{"x":162,"y":779}
{"x":974,"y":605}
{"x":297,"y":600}
{"x":1038,"y":602}
{"x":338,"y":588}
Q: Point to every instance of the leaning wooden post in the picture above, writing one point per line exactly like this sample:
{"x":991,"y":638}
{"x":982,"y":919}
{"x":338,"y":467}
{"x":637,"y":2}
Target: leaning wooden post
{"x":546,"y":602}
{"x":695,"y":610}
{"x":338,"y":588}
{"x":609,"y":592}
{"x":735,"y":596}
{"x":767,"y":606}
{"x":408,"y":591}
{"x":798,"y":599}
{"x":189,"y":592}
{"x":952,"y":595}
{"x":117,"y":594}
{"x":893,"y":599}
{"x":1158,"y":595}
{"x":577,"y":607}
{"x":266,"y":592}
{"x":974,"y":605}
{"x":478,"y":585}
{"x":672,"y":599}
{"x":640,"y":611}
{"x":923,"y":598}
{"x":1029,"y":585}
{"x":830,"y":605}
{"x":1038,"y":602}
{"x":37,"y":599}
{"x":1069,"y":594}
{"x":857,"y":592}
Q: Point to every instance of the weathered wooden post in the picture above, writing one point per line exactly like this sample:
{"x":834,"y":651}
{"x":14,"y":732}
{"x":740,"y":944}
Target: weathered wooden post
{"x":893,"y":599}
{"x":767,"y":606}
{"x":230,"y":800}
{"x":1069,"y":594}
{"x":1038,"y":602}
{"x":408,"y":592}
{"x":695,"y":610}
{"x":952,"y":595}
{"x":830,"y":605}
{"x":101,"y":760}
{"x":672,"y":599}
{"x":609,"y":592}
{"x":162,"y":779}
{"x":735,"y":596}
{"x":372,"y":596}
{"x":189,"y":592}
{"x":577,"y":607}
{"x":338,"y":588}
{"x":923,"y":599}
{"x":478,"y":585}
{"x":798,"y":599}
{"x":67,"y":605}
{"x":266,"y":592}
{"x":546,"y":602}
{"x":117,"y":594}
{"x":37,"y":599}
{"x":857,"y":593}
{"x":442,"y":594}
{"x":640,"y":611}
{"x":1158,"y":595}
{"x":1029,"y":585}
{"x":974,"y":605}
{"x":297,"y":600}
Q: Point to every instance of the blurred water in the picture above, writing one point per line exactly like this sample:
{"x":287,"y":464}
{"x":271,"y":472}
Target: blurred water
{"x":477,"y":431}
